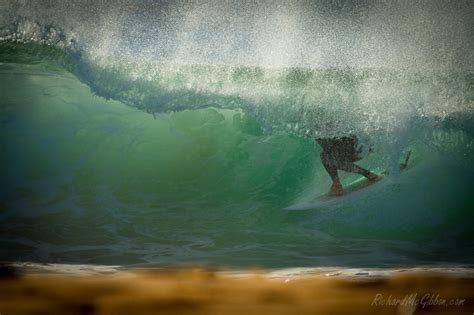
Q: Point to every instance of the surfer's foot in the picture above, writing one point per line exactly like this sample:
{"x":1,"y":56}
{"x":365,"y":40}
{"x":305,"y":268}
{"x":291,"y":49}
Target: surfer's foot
{"x":372,"y":177}
{"x":336,"y":190}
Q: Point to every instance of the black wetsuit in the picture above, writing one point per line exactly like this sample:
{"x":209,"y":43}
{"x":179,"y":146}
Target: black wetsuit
{"x":340,"y":154}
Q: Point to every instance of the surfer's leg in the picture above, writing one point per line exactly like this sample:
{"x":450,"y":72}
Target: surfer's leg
{"x":330,"y":166}
{"x":354,"y":168}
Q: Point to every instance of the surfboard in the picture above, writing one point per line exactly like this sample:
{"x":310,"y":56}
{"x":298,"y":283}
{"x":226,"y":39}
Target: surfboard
{"x":328,"y":199}
{"x":352,"y":188}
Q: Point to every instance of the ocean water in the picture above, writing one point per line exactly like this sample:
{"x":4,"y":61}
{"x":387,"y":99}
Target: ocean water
{"x":113,"y":154}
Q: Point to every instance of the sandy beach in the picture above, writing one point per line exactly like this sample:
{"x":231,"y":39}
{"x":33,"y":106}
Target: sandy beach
{"x":82,"y":289}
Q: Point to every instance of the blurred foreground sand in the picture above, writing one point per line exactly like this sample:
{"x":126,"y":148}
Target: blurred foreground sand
{"x":200,"y":291}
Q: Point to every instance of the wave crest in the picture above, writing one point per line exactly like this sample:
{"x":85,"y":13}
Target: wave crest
{"x":323,"y":102}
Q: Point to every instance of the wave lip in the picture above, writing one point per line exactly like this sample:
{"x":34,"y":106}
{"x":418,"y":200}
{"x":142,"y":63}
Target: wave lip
{"x":302,"y":101}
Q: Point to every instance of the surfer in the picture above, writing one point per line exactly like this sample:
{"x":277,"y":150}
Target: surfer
{"x":340,"y":153}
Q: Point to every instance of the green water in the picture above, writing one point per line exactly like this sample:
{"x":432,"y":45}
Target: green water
{"x":85,"y":179}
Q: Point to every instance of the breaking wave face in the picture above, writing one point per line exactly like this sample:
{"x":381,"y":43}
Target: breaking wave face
{"x":174,"y":133}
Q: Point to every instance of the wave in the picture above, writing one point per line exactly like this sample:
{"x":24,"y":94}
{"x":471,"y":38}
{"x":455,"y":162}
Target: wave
{"x":229,"y":148}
